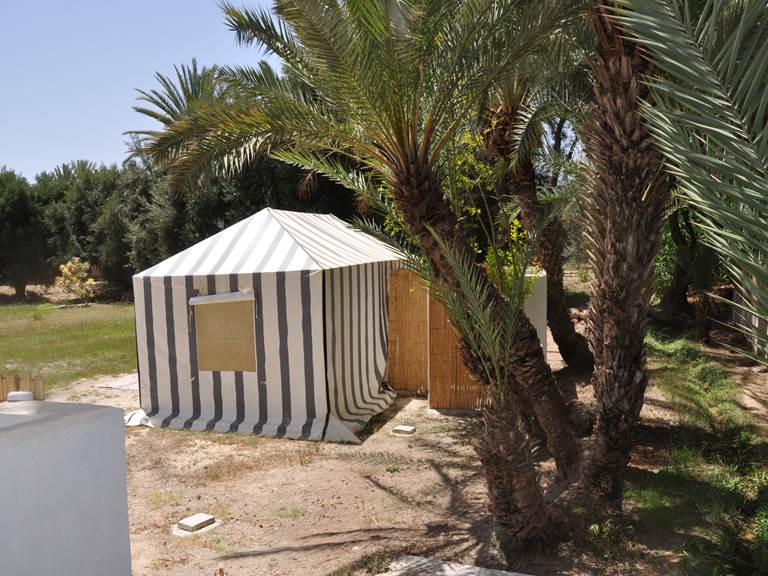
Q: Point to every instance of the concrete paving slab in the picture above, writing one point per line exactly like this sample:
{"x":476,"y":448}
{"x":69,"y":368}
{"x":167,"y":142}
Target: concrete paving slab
{"x":176,"y":531}
{"x":196,"y":522}
{"x":403,"y":430}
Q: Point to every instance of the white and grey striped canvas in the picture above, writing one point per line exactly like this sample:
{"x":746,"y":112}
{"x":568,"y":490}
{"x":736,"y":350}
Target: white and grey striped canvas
{"x":320,"y":322}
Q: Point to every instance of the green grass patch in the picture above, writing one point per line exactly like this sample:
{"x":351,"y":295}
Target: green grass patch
{"x":291,"y":513}
{"x":576,"y":298}
{"x":66,"y":344}
{"x":713,"y":492}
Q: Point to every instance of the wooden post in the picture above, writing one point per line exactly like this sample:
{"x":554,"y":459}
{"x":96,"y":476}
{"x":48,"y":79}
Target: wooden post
{"x":38,"y":390}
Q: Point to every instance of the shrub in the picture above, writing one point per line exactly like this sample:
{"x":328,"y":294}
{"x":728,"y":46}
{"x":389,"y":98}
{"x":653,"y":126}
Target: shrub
{"x":75,"y":278}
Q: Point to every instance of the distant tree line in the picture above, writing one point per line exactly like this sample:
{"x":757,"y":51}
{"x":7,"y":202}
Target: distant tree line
{"x":126,"y":218}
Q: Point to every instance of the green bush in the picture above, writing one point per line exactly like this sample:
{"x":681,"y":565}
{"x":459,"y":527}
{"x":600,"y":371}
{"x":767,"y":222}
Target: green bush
{"x":22,"y":235}
{"x":125,"y":219}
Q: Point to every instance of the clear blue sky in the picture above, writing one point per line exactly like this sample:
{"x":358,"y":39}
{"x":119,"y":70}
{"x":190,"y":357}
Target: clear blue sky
{"x":70,"y":69}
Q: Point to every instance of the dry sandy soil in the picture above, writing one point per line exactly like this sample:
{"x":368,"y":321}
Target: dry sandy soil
{"x":292,"y":507}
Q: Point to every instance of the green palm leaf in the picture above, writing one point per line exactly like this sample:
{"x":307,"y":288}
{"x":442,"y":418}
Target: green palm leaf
{"x":711,"y":123}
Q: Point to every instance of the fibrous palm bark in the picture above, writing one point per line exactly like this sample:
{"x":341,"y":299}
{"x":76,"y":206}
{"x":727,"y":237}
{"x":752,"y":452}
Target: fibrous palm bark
{"x":513,"y":491}
{"x":571,"y":345}
{"x":625,"y":210}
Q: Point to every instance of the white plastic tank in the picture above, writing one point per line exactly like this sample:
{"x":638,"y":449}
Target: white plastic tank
{"x":62,"y":490}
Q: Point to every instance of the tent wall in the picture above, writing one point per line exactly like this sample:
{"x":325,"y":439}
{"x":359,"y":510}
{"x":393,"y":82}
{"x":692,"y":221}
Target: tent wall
{"x":356,"y":316}
{"x":284,"y":397}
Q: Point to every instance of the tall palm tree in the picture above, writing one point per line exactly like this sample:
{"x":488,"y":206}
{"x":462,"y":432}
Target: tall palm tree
{"x":625,"y":209}
{"x":387,"y":85}
{"x":175,"y":97}
{"x":552,"y":83}
{"x":710,"y":117}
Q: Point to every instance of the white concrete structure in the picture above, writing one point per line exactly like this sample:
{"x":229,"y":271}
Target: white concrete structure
{"x":535,"y":306}
{"x":62,"y":490}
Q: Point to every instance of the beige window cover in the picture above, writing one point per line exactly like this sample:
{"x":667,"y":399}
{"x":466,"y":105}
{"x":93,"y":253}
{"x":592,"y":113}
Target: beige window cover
{"x":224,"y":327}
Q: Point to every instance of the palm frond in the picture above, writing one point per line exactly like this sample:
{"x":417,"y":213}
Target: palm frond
{"x":711,"y":123}
{"x":487,"y":325}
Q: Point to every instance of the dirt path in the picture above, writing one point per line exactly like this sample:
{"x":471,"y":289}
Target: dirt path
{"x":289,"y":504}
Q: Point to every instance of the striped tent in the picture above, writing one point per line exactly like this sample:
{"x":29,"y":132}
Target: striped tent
{"x":276,"y":326}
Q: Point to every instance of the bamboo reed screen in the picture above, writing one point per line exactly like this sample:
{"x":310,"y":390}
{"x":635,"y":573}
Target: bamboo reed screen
{"x":27,"y":383}
{"x":450,"y":385}
{"x":423,"y":351}
{"x":408,"y":348}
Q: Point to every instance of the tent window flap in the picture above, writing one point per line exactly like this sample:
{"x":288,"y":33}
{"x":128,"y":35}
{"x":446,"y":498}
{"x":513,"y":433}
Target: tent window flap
{"x":225,"y":335}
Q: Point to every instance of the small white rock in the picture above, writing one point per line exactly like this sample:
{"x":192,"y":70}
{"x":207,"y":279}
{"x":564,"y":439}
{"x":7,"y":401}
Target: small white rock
{"x":196,"y":521}
{"x":403,"y":430}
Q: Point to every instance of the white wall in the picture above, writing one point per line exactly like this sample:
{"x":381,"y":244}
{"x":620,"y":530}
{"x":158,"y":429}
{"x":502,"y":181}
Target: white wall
{"x":535,"y":307}
{"x":63,"y":499}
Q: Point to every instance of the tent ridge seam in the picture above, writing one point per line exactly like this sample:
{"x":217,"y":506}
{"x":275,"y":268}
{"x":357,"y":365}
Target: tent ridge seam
{"x":273,"y":213}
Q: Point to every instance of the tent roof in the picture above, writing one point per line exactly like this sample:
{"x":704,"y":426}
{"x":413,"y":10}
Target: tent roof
{"x":275,"y":241}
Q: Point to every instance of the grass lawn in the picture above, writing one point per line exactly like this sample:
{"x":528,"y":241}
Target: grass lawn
{"x":66,"y":344}
{"x":712,"y":493}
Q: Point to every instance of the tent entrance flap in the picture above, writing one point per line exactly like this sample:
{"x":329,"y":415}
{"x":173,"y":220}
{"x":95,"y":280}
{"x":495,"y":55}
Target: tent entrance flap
{"x":225,"y":332}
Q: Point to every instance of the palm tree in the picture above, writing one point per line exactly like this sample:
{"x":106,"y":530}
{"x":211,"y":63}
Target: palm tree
{"x":625,"y":209}
{"x":709,"y":116}
{"x":551,"y":87}
{"x":387,"y":85}
{"x":193,"y":86}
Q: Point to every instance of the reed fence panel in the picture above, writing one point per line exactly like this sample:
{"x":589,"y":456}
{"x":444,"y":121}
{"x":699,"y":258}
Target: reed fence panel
{"x":450,"y":385}
{"x":408,"y":347}
{"x":26,"y":382}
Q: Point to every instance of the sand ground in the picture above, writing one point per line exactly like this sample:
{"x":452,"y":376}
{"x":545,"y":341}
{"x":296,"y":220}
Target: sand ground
{"x":292,"y":507}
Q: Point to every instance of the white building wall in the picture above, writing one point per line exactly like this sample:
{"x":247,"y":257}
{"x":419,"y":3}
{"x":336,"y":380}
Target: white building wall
{"x":535,"y":307}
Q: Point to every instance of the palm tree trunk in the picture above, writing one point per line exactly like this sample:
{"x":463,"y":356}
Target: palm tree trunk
{"x":20,"y":289}
{"x":572,"y":345}
{"x":514,"y":495}
{"x":535,"y":376}
{"x":674,"y":303}
{"x":418,"y":193}
{"x":625,"y":211}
